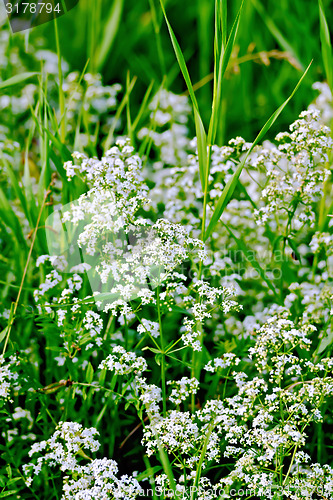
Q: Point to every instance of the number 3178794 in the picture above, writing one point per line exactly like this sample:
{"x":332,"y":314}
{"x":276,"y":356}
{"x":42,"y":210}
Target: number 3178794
{"x":32,"y":8}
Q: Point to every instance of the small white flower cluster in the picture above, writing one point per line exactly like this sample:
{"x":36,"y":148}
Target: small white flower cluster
{"x":296,"y":172}
{"x":8,"y":376}
{"x":97,"y":479}
{"x":123,"y":363}
{"x":89,"y":97}
{"x":323,"y":102}
{"x":131,"y":251}
{"x":93,"y":323}
{"x":97,"y":99}
{"x":181,"y":389}
{"x":322,"y":241}
{"x":316,"y":302}
{"x":190,"y":334}
{"x":205,"y":490}
{"x":265,"y":419}
{"x":276,"y":333}
{"x":69,"y":439}
{"x":150,"y":395}
{"x":149,"y":327}
{"x":168,"y":126}
{"x":227,"y":360}
{"x":177,"y":432}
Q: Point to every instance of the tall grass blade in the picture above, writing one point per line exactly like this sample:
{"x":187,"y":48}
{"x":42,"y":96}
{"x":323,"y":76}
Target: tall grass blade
{"x":157,"y":26}
{"x":8,"y":216}
{"x":14,"y":80}
{"x":253,"y":261}
{"x":199,"y":127}
{"x":224,"y":58}
{"x":142,"y":107}
{"x":110,"y":137}
{"x":231,"y":184}
{"x":326,"y":46}
{"x":284,"y":44}
{"x":61,"y":90}
{"x":110,"y":32}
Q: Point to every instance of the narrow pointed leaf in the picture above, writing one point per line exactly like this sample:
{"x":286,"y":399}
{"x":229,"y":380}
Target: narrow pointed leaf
{"x":199,"y":127}
{"x":231,"y":184}
{"x":110,"y":32}
{"x":252,"y":260}
{"x":225,"y":54}
{"x":14,"y":80}
{"x":282,"y":41}
{"x":326,"y":46}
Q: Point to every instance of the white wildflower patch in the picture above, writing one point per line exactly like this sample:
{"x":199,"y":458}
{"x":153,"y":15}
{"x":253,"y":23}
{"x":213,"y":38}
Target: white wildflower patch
{"x":227,"y":360}
{"x":122,"y":363}
{"x":8,"y":376}
{"x":158,"y":339}
{"x":182,"y":389}
{"x":122,"y":253}
{"x":65,"y":450}
{"x":149,"y":327}
{"x":296,"y":171}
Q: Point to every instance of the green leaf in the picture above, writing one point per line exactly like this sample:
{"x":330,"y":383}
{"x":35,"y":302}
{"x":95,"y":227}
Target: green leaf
{"x":110,"y":32}
{"x":199,"y":127}
{"x":3,"y":333}
{"x":102,"y":375}
{"x":294,"y":249}
{"x":14,"y":80}
{"x":9,"y":217}
{"x":250,"y":257}
{"x":152,"y":349}
{"x":284,"y":44}
{"x":325,"y":342}
{"x":231,"y":184}
{"x":158,"y":359}
{"x":224,"y":58}
{"x":326,"y":46}
{"x":8,"y":493}
{"x":89,"y":373}
{"x":146,"y":474}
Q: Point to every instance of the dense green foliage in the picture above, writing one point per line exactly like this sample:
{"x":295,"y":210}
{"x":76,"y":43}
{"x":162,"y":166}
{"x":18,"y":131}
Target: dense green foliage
{"x":175,"y":325}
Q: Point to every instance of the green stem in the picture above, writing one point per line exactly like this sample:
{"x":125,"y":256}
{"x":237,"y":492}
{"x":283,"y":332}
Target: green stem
{"x":61,"y":92}
{"x":163,"y":367}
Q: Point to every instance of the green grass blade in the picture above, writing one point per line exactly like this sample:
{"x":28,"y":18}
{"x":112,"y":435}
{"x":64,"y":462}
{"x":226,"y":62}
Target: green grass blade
{"x":61,"y":90}
{"x":14,"y":80}
{"x":202,"y":148}
{"x":221,"y":10}
{"x":8,"y":216}
{"x":110,"y":137}
{"x":231,"y":184}
{"x":181,"y":60}
{"x":143,"y":106}
{"x":110,"y":32}
{"x":253,"y":261}
{"x":18,"y":191}
{"x":284,"y":44}
{"x":199,"y":127}
{"x":166,"y":464}
{"x":326,"y":46}
{"x":157,"y":29}
{"x":225,"y":54}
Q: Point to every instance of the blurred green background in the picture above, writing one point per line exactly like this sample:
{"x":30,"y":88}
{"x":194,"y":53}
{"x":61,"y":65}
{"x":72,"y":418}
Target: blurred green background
{"x":276,"y":41}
